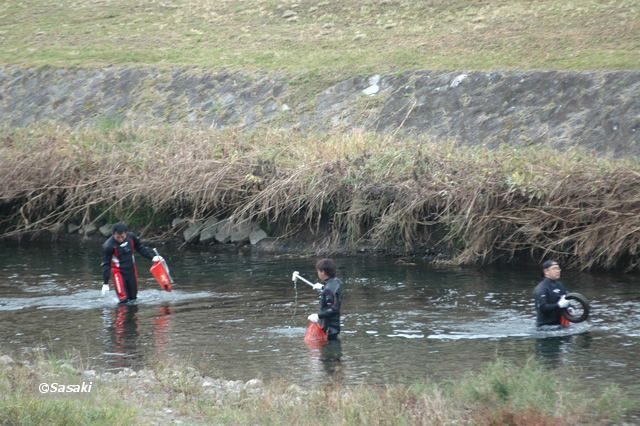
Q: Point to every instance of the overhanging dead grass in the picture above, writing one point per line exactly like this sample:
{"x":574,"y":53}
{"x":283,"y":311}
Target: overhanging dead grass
{"x":359,"y":189}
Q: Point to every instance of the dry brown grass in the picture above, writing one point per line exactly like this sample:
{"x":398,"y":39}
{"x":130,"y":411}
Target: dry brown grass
{"x":355,"y":189}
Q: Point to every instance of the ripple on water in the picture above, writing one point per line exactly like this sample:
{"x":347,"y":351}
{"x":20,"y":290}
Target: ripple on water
{"x":91,"y":299}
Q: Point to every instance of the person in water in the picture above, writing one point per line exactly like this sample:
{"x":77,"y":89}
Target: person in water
{"x":549,"y":296}
{"x":119,"y":262}
{"x":330,"y":298}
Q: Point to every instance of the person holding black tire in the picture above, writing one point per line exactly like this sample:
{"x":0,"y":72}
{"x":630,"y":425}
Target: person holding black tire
{"x":549,"y":296}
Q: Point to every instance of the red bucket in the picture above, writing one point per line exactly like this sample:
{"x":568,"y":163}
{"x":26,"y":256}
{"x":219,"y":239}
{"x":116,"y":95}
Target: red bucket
{"x":315,"y":335}
{"x":161,"y":275}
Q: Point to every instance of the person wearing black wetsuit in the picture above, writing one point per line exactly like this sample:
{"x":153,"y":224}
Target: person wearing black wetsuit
{"x":549,"y":296}
{"x":330,"y":299}
{"x":118,"y":261}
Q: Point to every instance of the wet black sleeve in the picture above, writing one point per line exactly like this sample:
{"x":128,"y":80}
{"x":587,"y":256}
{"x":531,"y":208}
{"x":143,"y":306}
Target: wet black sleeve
{"x":107,"y":253}
{"x":141,"y":248}
{"x":543,"y":302}
{"x":330,"y":304}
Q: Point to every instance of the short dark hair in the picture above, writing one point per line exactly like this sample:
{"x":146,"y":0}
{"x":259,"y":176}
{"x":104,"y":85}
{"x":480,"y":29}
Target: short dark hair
{"x":119,"y":228}
{"x":327,"y":266}
{"x":548,"y":264}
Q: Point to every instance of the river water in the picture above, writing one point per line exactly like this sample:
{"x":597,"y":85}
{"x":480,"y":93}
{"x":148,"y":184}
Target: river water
{"x":239,"y":316}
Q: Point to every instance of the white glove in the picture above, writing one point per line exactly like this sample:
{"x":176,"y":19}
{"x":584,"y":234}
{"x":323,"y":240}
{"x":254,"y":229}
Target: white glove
{"x":157,"y":259}
{"x":313,"y":318}
{"x":105,"y":289}
{"x":318,"y":286}
{"x":563,"y":303}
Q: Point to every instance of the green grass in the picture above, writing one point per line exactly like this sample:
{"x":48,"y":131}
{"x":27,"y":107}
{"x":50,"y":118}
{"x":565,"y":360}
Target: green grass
{"x":22,"y":403}
{"x":500,"y":393}
{"x":328,"y":37}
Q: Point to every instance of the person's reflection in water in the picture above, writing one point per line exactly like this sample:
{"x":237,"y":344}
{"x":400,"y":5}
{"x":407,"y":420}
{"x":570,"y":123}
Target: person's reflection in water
{"x":555,"y":350}
{"x":124,"y":332}
{"x":550,"y":350}
{"x":161,"y":330}
{"x":121,"y":326}
{"x":326,"y":357}
{"x":331,"y":357}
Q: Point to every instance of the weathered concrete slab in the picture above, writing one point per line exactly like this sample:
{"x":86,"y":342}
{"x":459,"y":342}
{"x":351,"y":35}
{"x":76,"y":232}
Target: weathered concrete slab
{"x":256,"y":236}
{"x":105,"y":229}
{"x":89,"y":229}
{"x":209,"y":230}
{"x":223,"y":234}
{"x":241,"y":231}
{"x":177,"y":222}
{"x":192,"y":232}
{"x":595,"y":110}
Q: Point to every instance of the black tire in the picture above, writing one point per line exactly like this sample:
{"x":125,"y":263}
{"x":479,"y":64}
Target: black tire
{"x":578,"y":309}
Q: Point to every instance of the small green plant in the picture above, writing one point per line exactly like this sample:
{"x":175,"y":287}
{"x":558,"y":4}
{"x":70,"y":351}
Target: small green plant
{"x":108,"y":123}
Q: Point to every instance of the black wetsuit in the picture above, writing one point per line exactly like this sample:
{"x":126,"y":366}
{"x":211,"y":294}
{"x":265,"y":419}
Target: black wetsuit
{"x":330,"y":301}
{"x":118,"y":259}
{"x":546,"y":296}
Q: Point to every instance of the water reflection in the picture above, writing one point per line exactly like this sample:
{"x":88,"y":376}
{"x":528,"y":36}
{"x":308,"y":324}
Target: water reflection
{"x":161,"y":331}
{"x":121,"y":324}
{"x":555,"y":351}
{"x":241,"y":317}
{"x":550,"y":350}
{"x":331,"y":356}
{"x":325,"y":361}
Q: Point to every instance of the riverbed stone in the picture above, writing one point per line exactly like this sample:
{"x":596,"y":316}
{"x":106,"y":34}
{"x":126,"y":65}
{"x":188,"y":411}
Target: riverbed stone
{"x":57,"y":228}
{"x":89,"y":229}
{"x":192,"y":232}
{"x":177,"y":222}
{"x":373,"y":88}
{"x":253,"y":383}
{"x":208,"y":382}
{"x":256,"y":236}
{"x":105,"y":229}
{"x":241,"y":231}
{"x":223,"y":234}
{"x":89,"y":374}
{"x":209,"y":230}
{"x":6,"y":360}
{"x":254,"y":387}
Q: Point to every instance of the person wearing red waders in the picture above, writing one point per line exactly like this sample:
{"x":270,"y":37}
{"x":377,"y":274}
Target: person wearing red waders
{"x":119,"y":262}
{"x":330,"y":298}
{"x":549,"y":296}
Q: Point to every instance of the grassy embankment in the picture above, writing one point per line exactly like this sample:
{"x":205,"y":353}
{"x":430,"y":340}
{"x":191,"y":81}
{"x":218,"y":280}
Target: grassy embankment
{"x":354,"y":189}
{"x":480,"y":205}
{"x":499,"y":394}
{"x":324,"y":39}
